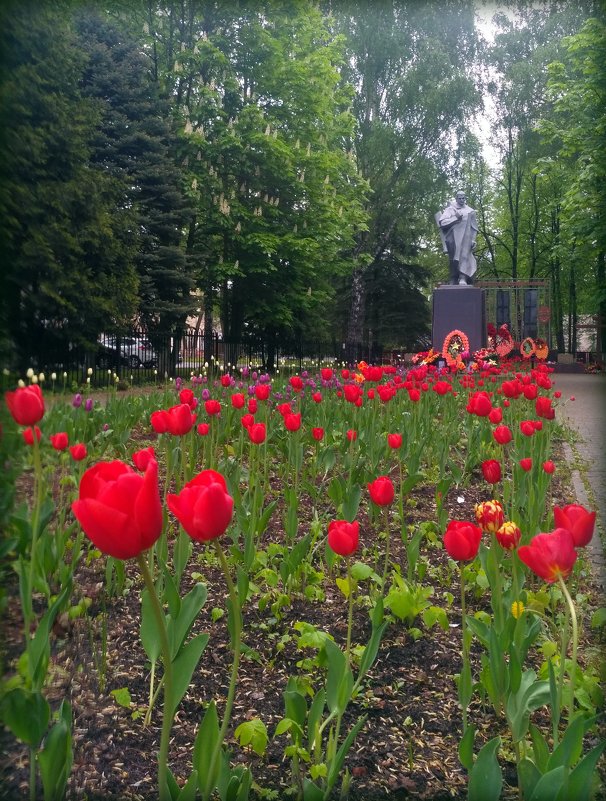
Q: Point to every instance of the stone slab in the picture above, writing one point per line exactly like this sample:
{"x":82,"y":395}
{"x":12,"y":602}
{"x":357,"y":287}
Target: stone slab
{"x":462,"y":308}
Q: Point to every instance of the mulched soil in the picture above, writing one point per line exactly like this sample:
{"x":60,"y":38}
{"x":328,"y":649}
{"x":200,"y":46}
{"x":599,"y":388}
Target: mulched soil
{"x":406,"y":750}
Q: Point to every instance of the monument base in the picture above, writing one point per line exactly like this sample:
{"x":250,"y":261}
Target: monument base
{"x":459,"y":307}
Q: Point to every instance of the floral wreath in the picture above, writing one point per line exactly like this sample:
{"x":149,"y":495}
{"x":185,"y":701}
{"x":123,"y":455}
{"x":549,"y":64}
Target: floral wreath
{"x":504,"y":343}
{"x":455,"y":345}
{"x":527,"y":348}
{"x":541,"y":349}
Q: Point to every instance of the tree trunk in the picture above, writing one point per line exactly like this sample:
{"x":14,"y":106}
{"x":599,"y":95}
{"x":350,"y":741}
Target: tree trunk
{"x":355,"y":326}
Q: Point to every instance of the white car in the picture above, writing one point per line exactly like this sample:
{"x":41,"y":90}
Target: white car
{"x":134,"y":352}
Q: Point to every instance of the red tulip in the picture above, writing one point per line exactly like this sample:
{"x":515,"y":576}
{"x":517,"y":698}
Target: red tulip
{"x":160,"y":421}
{"x":381,"y":491}
{"x":78,"y":452}
{"x":119,"y":510}
{"x":489,"y":515}
{"x":26,"y":404}
{"x":442,"y":387}
{"x":576,"y":519}
{"x":491,"y":470}
{"x":212,"y":407}
{"x":462,"y":540}
{"x":530,"y":391}
{"x":352,"y":392}
{"x":59,"y":441}
{"x":262,"y":391}
{"x":225,"y":380}
{"x":352,"y":435}
{"x":343,"y":537}
{"x":508,"y":535}
{"x":247,"y":420}
{"x":544,"y":408}
{"x":414,"y":395}
{"x":317,"y":397}
{"x":527,"y":428}
{"x":550,"y":555}
{"x":292,"y":422}
{"x":203,"y":429}
{"x":257,"y":433}
{"x":526,"y":464}
{"x":252,"y":405}
{"x":326,"y":373}
{"x":238,"y":400}
{"x":180,"y":419}
{"x":187,"y":396}
{"x":502,"y":434}
{"x":496,"y":415}
{"x":480,"y":404}
{"x":549,"y":466}
{"x":284,"y":409}
{"x":394,"y":441}
{"x":28,"y":435}
{"x":142,"y":458}
{"x":296,"y":382}
{"x":317,"y":434}
{"x":203,"y":507}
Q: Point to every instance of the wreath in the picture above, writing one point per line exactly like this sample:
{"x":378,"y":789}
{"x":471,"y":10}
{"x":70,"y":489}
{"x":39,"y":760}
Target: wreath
{"x":527,"y":348}
{"x":455,"y":345}
{"x":541,"y":349}
{"x":504,"y":343}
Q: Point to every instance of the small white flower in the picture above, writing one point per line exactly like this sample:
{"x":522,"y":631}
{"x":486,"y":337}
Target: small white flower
{"x":116,"y":379}
{"x":88,"y":380}
{"x":64,"y":374}
{"x":34,"y":379}
{"x":155,"y":372}
{"x":206,"y":365}
{"x":21,"y":383}
{"x":109,"y":372}
{"x":30,"y":372}
{"x":41,"y":377}
{"x":53,"y":376}
{"x":89,"y":371}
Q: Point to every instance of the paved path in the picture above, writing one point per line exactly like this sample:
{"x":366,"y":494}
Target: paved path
{"x":587,"y":416}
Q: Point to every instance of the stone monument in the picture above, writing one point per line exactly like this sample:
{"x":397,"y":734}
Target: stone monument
{"x":458,"y":304}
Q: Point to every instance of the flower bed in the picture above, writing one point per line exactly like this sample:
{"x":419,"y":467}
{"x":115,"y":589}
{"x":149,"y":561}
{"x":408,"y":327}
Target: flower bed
{"x":353,"y":580}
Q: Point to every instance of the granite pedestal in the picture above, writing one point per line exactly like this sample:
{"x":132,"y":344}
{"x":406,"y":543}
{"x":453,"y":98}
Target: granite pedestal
{"x":460,"y":307}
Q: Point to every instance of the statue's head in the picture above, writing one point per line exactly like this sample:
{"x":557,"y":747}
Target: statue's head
{"x":460,"y":197}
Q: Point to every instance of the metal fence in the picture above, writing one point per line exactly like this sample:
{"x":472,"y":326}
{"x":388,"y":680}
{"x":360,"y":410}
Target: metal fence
{"x":138,"y":356}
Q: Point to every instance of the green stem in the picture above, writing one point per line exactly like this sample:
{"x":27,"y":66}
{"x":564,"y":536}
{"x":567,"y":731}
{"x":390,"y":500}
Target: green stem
{"x":32,"y":774}
{"x":167,"y":712}
{"x":231,"y":692}
{"x":386,"y":565}
{"x":575,"y":641}
{"x":464,"y":636}
{"x":28,"y":613}
{"x":349,"y":613}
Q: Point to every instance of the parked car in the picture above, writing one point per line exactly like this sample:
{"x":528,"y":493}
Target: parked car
{"x":128,"y":351}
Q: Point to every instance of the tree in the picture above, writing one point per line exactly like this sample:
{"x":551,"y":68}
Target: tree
{"x":411,"y":66}
{"x":63,"y":248}
{"x":135,"y":146}
{"x":577,"y":89}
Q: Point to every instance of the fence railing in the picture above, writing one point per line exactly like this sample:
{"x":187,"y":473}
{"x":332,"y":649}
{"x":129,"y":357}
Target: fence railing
{"x":138,"y":356}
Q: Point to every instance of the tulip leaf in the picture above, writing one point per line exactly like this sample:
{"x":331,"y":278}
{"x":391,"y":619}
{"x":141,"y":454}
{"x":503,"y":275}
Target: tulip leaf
{"x":410,"y":482}
{"x":466,"y":748}
{"x":205,"y":743}
{"x":38,"y":648}
{"x":339,"y":681}
{"x":371,"y":649}
{"x":263,"y":520}
{"x":579,"y":785}
{"x":150,"y":639}
{"x":548,"y":786}
{"x":26,"y":714}
{"x":180,"y":627}
{"x":311,"y":791}
{"x":351,"y":503}
{"x":531,"y":695}
{"x":528,"y":776}
{"x":181,"y":553}
{"x":336,"y":491}
{"x":316,"y":710}
{"x":485,"y":779}
{"x":184,"y":666}
{"x":540,"y":749}
{"x":189,"y":790}
{"x":569,"y":751}
{"x":55,"y":759}
{"x":337,"y":762}
{"x":170,"y":593}
{"x":173,"y":787}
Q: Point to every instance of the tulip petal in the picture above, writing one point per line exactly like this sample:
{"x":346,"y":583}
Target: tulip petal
{"x":107,"y":528}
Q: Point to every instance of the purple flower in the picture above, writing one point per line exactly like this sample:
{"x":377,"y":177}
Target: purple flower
{"x":245,"y":372}
{"x":106,"y":426}
{"x":178,"y":383}
{"x":205,"y":394}
{"x":77,"y":401}
{"x":254,"y":376}
{"x":88,"y":405}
